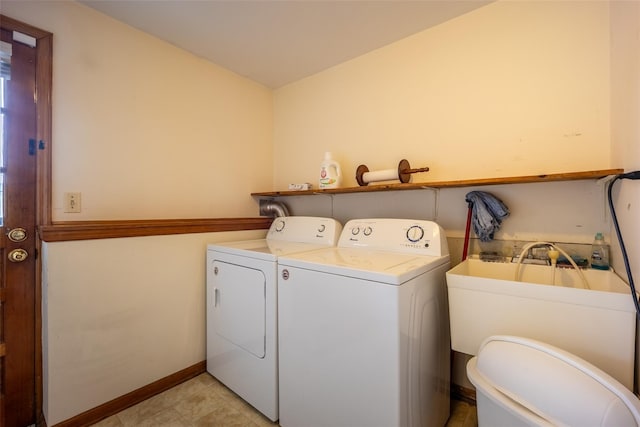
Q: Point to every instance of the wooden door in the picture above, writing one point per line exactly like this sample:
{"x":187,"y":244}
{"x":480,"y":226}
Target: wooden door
{"x":18,"y":235}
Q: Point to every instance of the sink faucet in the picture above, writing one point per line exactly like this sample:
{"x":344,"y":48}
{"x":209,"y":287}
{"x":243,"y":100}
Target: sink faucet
{"x":536,"y":253}
{"x":554,"y":252}
{"x":537,"y":245}
{"x":540,"y":245}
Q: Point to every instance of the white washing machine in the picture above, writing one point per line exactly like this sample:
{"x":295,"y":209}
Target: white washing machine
{"x":242,"y":346}
{"x":363,"y":328}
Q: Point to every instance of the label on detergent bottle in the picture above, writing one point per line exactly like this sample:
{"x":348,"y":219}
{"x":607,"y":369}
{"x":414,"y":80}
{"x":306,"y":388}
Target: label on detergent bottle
{"x":330,"y":174}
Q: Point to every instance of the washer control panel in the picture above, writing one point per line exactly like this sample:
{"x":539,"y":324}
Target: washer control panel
{"x":401,"y":235}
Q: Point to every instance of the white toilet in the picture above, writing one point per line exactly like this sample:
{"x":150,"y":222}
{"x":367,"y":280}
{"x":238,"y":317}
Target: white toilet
{"x":523,"y":382}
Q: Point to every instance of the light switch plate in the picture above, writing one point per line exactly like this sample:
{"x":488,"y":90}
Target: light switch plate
{"x":72,"y":202}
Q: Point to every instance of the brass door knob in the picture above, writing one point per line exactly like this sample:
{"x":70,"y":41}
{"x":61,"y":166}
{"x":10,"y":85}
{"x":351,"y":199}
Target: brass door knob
{"x":18,"y":255}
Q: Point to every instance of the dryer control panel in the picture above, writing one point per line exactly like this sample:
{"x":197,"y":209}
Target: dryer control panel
{"x":305,"y":229}
{"x":400,"y":235}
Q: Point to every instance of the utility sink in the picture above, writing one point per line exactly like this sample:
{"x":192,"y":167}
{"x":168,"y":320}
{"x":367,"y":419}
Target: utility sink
{"x":597,"y":324}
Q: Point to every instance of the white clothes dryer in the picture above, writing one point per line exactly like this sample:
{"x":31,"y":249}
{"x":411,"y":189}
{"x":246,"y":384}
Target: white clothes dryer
{"x":242,"y":350}
{"x":363,"y":328}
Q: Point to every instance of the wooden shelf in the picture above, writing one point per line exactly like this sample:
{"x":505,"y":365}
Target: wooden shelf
{"x":569,"y":176}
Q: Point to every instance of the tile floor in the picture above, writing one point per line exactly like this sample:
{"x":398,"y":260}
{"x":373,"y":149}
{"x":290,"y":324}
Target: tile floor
{"x":203,"y":401}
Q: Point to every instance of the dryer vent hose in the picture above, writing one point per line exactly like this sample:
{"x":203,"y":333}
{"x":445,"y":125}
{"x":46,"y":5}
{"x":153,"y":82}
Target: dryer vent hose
{"x":273,"y":209}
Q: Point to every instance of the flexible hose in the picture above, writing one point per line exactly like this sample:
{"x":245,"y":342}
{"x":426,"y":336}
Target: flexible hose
{"x":625,"y":257}
{"x":526,"y":247}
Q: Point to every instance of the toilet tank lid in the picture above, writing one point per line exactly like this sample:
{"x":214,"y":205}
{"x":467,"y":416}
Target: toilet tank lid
{"x":555,"y":384}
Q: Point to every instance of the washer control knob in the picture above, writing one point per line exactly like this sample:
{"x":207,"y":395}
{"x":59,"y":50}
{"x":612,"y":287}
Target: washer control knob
{"x":322,"y":228}
{"x":355,"y":231}
{"x":367,"y":231}
{"x":285,"y":274}
{"x":280,"y":225}
{"x":415,"y":233}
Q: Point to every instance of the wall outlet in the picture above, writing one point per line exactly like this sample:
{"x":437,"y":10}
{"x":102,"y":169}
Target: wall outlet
{"x":72,"y":202}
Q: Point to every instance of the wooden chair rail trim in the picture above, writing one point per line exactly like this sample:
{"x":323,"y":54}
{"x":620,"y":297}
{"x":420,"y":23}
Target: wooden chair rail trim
{"x":86,"y":230}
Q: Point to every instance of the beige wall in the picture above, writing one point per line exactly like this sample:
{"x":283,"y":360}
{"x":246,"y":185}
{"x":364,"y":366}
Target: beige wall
{"x":625,"y":122}
{"x":121,"y":313}
{"x":511,"y":88}
{"x":143,"y":129}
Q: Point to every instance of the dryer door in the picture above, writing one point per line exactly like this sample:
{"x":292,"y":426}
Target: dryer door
{"x":239,"y":306}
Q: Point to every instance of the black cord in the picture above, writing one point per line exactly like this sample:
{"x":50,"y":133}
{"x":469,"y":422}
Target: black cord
{"x":630,"y":175}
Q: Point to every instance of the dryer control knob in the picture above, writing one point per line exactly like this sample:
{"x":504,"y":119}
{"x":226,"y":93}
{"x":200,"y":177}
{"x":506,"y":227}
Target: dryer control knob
{"x":415,"y":233}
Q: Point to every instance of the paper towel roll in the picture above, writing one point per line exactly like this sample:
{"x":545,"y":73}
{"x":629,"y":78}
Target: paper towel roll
{"x":403,"y":173}
{"x":383,"y":175}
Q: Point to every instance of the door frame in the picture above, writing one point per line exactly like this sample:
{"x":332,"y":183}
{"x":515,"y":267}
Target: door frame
{"x":44,"y":82}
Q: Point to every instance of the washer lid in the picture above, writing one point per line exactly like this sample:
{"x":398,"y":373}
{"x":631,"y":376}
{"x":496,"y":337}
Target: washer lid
{"x":380,"y":266}
{"x":264,"y":249}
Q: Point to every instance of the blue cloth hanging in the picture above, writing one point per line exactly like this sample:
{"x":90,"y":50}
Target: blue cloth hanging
{"x":488,"y":213}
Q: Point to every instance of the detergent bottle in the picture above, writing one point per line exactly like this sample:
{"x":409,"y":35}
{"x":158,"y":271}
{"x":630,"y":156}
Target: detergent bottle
{"x":330,"y":174}
{"x":599,"y":253}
